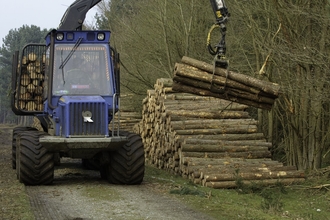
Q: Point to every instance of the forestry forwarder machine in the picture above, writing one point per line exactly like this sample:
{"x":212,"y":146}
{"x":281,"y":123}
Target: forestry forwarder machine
{"x":71,"y":85}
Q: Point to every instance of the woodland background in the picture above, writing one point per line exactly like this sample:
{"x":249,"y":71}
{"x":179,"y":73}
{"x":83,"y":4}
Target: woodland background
{"x":281,"y":41}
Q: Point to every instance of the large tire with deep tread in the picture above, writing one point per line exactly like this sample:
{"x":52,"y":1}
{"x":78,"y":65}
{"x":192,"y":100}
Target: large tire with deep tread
{"x":34,"y":164}
{"x":16,"y":131}
{"x":127,"y":163}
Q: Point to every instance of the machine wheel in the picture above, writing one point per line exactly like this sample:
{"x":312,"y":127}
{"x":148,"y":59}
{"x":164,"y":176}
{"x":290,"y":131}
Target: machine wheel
{"x":34,"y":164}
{"x":16,"y":131}
{"x":127,"y":163}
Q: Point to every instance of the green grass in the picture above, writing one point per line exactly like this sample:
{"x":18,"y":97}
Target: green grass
{"x":16,"y":204}
{"x":301,"y":202}
{"x":308,"y":201}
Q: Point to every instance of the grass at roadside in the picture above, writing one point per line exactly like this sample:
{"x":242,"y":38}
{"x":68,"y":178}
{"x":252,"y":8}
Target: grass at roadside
{"x":14,"y":201}
{"x":17,"y":204}
{"x":304,"y":202}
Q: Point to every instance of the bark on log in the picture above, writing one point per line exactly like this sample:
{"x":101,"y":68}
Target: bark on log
{"x":203,"y":92}
{"x":267,"y":87}
{"x":239,"y":91}
{"x":232,"y":184}
{"x":192,"y":75}
{"x":209,"y":115}
{"x":194,"y":161}
{"x":190,"y":97}
{"x":224,"y":130}
{"x":242,"y":167}
{"x":218,"y":104}
{"x":226,"y":142}
{"x":228,"y":137}
{"x":212,"y":123}
{"x":217,"y":148}
{"x":252,"y":176}
{"x":246,"y":155}
{"x":230,"y":128}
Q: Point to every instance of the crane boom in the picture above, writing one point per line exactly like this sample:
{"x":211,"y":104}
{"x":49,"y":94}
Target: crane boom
{"x":221,"y":13}
{"x":75,"y":15}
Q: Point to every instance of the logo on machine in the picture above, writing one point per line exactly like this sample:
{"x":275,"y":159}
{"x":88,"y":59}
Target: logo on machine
{"x":87,"y":115}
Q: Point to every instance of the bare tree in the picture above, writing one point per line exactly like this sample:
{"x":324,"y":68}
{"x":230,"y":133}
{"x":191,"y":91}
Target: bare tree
{"x":291,"y":47}
{"x":152,"y":35}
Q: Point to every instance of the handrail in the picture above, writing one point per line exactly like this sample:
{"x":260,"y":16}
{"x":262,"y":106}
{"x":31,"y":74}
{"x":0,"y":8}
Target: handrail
{"x":113,"y":115}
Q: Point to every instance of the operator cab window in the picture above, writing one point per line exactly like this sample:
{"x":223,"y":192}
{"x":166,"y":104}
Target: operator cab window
{"x":83,"y":71}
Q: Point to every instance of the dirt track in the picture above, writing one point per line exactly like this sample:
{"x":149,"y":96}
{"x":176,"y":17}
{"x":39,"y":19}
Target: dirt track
{"x":82,"y":194}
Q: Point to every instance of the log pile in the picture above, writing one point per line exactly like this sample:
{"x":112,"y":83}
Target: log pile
{"x":127,"y":120}
{"x":31,"y":82}
{"x":194,"y":76}
{"x":213,"y":142}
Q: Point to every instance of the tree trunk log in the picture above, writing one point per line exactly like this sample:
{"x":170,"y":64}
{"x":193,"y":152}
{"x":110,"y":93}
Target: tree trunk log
{"x":212,"y":123}
{"x":209,"y":115}
{"x":217,"y":148}
{"x":224,"y":130}
{"x":267,"y":182}
{"x":252,"y":176}
{"x":225,"y":142}
{"x":209,"y":162}
{"x":203,"y":92}
{"x":228,"y":137}
{"x":239,"y":91}
{"x":246,"y":155}
{"x":267,"y":87}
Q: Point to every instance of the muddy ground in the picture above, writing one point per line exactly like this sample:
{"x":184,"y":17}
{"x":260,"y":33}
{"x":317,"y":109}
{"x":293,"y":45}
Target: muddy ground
{"x":82,"y":194}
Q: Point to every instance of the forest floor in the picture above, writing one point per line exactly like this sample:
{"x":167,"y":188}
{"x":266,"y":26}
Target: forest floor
{"x":82,"y":194}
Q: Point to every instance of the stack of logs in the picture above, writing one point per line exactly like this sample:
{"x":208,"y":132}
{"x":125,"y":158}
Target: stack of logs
{"x":197,"y":77}
{"x":127,"y":120}
{"x":213,"y":142}
{"x":31,"y":83}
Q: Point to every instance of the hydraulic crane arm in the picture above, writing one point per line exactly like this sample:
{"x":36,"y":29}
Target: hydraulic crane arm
{"x":75,"y":15}
{"x":220,"y":10}
{"x":221,"y":14}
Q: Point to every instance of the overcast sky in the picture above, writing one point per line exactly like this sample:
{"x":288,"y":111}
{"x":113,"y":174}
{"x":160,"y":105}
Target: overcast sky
{"x":42,"y":13}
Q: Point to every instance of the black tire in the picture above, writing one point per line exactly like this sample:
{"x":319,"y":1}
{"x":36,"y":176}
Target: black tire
{"x":127,"y":163}
{"x":34,"y":165}
{"x":16,"y":131}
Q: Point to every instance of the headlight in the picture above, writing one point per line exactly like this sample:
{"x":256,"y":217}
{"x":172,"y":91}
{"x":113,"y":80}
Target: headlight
{"x":59,"y":36}
{"x":100,"y":36}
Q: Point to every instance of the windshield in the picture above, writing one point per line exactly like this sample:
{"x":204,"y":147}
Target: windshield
{"x":86,"y":70}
